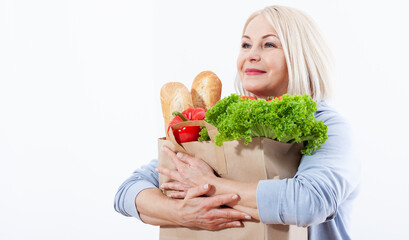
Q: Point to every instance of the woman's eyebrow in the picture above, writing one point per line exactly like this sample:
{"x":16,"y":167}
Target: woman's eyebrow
{"x":270,"y":35}
{"x":265,"y":36}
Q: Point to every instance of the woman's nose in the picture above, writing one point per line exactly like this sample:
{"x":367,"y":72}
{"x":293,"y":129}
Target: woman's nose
{"x":254,"y":55}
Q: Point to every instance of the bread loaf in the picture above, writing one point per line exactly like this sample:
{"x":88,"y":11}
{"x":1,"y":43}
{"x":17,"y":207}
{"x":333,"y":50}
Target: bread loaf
{"x":174,"y":96}
{"x":206,"y":90}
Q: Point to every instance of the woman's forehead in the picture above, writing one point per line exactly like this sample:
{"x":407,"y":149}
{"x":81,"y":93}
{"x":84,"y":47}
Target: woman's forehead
{"x":259,"y":26}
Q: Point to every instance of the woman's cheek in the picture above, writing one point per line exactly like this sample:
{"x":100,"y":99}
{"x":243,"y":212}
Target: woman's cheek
{"x":240,"y":62}
{"x":240,"y":65}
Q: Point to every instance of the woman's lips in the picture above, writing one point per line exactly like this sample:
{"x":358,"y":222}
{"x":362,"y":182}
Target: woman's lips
{"x":254,"y":71}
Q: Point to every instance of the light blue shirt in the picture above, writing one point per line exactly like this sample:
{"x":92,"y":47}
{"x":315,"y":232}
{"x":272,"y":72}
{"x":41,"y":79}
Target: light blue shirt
{"x":319,"y":196}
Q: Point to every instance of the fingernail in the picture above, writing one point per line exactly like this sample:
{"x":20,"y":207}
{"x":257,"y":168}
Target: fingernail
{"x":156,"y":169}
{"x":238,"y":224}
{"x":162,"y":148}
{"x":161,"y":186}
{"x":235,"y":197}
{"x":247,"y":217}
{"x":179,"y":155}
{"x":206,"y":186}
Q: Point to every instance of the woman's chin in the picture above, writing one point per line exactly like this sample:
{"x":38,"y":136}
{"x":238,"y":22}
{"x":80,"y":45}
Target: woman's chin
{"x":254,"y":90}
{"x":262,"y":92}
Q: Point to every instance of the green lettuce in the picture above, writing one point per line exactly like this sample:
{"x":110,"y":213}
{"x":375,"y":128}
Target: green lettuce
{"x":289,"y":120}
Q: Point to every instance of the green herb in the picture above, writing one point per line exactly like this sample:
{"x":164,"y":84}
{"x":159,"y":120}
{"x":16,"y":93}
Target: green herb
{"x":288,"y":119}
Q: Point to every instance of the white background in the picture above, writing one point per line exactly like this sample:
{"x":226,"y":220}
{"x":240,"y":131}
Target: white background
{"x":80,"y":110}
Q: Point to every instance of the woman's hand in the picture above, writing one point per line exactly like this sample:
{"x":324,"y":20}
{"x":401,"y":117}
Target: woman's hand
{"x":191,"y":172}
{"x":206,"y":212}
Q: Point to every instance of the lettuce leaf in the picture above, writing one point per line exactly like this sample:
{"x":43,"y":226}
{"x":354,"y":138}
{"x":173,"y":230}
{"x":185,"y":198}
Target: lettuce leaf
{"x":289,"y":120}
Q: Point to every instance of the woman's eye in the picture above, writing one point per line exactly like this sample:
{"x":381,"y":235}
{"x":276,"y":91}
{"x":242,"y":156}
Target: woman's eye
{"x":269,"y":45}
{"x":245,"y":45}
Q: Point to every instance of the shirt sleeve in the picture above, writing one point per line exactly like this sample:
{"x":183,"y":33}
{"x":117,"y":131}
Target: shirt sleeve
{"x":141,"y":179}
{"x":323,"y":181}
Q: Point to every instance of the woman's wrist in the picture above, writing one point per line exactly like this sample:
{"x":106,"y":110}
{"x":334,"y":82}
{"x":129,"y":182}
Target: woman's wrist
{"x":218,"y":185}
{"x":245,"y":190}
{"x":157,"y":214}
{"x":214,"y":181}
{"x":171,"y":211}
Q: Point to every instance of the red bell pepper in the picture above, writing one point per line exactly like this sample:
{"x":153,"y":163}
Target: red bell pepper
{"x":188,"y":133}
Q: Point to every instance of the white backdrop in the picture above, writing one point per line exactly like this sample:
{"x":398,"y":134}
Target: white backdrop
{"x":80,"y":110}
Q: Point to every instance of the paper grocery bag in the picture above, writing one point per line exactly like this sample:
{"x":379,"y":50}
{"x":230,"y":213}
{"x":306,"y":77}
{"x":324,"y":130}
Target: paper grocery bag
{"x":261,"y":159}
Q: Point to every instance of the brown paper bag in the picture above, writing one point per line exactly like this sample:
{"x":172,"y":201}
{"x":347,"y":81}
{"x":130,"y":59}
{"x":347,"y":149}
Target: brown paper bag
{"x":261,"y":159}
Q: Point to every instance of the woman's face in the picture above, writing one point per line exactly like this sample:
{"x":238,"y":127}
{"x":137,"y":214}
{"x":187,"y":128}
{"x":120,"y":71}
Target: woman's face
{"x":261,"y":63}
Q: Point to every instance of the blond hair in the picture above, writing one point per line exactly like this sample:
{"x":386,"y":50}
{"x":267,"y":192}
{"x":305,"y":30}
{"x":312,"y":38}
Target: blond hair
{"x":309,"y":60}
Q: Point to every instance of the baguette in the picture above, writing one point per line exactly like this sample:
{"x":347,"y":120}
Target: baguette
{"x":206,"y":90}
{"x":174,"y":96}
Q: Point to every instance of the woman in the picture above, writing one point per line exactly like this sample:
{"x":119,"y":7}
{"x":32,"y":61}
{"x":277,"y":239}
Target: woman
{"x":281,"y":52}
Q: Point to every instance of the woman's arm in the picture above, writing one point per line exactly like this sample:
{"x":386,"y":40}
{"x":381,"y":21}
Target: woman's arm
{"x":246,"y":190}
{"x":193,"y":172}
{"x":326,"y":181}
{"x":143,"y":178}
{"x":193,"y":211}
{"x":159,"y":204}
{"x":139,"y":196}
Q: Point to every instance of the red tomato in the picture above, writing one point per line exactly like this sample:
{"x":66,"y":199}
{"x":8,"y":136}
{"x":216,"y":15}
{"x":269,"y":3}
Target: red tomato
{"x":248,"y":97}
{"x":276,"y":98}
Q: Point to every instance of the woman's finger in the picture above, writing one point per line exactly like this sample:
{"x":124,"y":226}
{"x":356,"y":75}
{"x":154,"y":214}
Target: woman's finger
{"x":228,"y":214}
{"x":189,"y":160}
{"x":183,"y":157}
{"x":174,"y":186}
{"x":172,"y":174}
{"x":172,"y":155}
{"x":197,"y":191}
{"x":178,"y":195}
{"x":229,"y":225}
{"x":219,"y":200}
